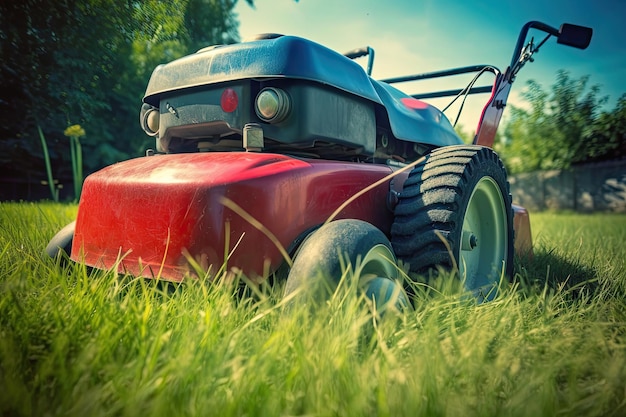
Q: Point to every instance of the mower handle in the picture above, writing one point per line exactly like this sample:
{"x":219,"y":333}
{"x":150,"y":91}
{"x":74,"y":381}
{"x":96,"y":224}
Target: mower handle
{"x":359,"y":52}
{"x":568,"y":34}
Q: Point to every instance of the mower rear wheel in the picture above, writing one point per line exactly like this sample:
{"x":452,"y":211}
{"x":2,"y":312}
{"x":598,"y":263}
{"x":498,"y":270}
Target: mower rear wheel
{"x":341,"y":245}
{"x":455,"y":211}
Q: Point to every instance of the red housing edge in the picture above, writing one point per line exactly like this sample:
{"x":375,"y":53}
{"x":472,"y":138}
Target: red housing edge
{"x":148,"y":215}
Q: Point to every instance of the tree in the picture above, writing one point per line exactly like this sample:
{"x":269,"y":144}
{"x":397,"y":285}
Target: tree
{"x":553,"y":132}
{"x":209,"y":22}
{"x":607,"y":136}
{"x":87,"y":62}
{"x":58,"y":64}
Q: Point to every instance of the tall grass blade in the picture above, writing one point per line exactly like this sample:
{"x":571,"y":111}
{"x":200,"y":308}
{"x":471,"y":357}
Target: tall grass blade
{"x":46,"y":157}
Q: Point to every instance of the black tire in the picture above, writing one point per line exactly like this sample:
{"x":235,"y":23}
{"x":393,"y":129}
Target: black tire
{"x":457,"y":200}
{"x":323,"y":256}
{"x":61,"y":243}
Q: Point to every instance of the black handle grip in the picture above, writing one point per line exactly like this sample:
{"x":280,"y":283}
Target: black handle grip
{"x":357,"y":53}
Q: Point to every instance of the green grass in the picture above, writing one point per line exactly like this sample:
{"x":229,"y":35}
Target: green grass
{"x":75,"y":342}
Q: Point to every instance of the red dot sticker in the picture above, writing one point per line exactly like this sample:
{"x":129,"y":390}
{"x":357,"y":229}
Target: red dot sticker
{"x":413,"y":103}
{"x":229,"y":100}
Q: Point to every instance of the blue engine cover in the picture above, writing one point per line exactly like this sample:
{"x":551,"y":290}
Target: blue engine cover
{"x":292,"y":57}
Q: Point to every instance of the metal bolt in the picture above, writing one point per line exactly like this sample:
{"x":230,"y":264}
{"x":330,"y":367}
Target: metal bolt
{"x":469,"y":241}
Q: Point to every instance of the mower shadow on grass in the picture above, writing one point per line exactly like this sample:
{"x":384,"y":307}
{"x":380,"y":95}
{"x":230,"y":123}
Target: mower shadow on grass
{"x":552,"y":271}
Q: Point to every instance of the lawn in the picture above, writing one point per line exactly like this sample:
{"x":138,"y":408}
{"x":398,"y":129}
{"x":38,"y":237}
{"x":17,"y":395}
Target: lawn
{"x":76,"y":342}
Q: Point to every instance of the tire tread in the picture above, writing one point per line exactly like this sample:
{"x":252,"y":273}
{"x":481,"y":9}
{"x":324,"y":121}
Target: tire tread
{"x":429,"y":207}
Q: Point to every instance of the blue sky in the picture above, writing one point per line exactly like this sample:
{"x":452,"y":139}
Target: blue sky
{"x":416,"y":36}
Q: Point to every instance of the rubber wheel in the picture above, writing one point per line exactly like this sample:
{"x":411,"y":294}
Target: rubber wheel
{"x":324,"y":256}
{"x":457,"y":202}
{"x":61,"y":243}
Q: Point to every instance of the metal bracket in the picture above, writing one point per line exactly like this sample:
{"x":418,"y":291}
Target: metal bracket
{"x":253,"y":137}
{"x":393,"y":197}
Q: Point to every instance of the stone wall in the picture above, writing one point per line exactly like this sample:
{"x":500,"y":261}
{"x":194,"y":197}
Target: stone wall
{"x":585,"y":188}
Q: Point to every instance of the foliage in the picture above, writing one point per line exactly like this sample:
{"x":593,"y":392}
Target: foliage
{"x":76,"y":342}
{"x":465,"y":135}
{"x":561,"y":127}
{"x":209,"y":22}
{"x":88,"y":62}
{"x":607,"y":136}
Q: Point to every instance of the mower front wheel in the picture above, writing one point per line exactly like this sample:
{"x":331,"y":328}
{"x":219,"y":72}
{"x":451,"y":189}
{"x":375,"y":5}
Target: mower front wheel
{"x":352,"y":247}
{"x":61,"y":243}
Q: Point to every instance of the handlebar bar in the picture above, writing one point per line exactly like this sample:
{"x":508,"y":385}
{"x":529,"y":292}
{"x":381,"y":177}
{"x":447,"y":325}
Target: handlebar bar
{"x":359,"y":52}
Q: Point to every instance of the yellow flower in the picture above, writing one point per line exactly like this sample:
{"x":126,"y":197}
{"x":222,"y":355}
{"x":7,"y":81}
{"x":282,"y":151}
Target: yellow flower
{"x":74,"y":131}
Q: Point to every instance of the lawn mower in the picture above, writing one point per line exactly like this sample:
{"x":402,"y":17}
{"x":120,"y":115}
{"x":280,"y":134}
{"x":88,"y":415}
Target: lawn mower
{"x":279,"y":154}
